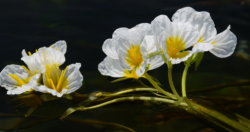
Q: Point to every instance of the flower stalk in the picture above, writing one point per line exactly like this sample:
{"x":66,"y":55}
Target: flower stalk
{"x":158,"y":87}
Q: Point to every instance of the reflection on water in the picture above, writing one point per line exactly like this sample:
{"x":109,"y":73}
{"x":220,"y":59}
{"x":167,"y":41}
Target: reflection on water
{"x":84,"y":25}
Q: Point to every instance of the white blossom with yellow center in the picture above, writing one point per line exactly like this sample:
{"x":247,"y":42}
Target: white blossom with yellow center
{"x":175,"y":38}
{"x":221,"y":45}
{"x":19,"y":79}
{"x":59,"y":82}
{"x":127,"y":53}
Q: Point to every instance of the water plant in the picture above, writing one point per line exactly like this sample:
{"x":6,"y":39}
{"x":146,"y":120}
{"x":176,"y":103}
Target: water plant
{"x":131,"y":53}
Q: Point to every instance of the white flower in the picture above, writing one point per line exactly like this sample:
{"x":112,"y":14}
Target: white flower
{"x":174,"y":38}
{"x":221,"y":45}
{"x":45,"y":55}
{"x":127,"y":53}
{"x":18,"y":79}
{"x":59,"y":82}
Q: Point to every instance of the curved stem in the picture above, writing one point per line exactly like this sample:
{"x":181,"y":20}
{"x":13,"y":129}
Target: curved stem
{"x":143,"y":98}
{"x":130,"y":90}
{"x":144,"y":85}
{"x":171,"y":83}
{"x":158,"y":87}
{"x":183,"y":82}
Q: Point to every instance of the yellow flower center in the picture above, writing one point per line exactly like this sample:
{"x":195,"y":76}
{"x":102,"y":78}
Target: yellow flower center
{"x":134,"y":56}
{"x":19,"y":81}
{"x":24,"y":81}
{"x":131,"y":74}
{"x":55,"y":78}
{"x":174,"y":47}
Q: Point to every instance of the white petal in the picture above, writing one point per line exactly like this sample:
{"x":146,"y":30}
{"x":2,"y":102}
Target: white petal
{"x":24,"y":53}
{"x":8,"y":82}
{"x":141,"y":69}
{"x":102,"y":69}
{"x":201,"y":47}
{"x":155,"y":62}
{"x":159,"y":24}
{"x":123,"y":48}
{"x":109,"y":47}
{"x":49,"y":56}
{"x":32,"y":63}
{"x":149,"y":43}
{"x":144,"y":29}
{"x":60,"y":46}
{"x":45,"y":89}
{"x":111,"y":67}
{"x":187,"y":33}
{"x":179,"y":60}
{"x":74,"y":77}
{"x":149,"y":46}
{"x":120,"y":33}
{"x":24,"y":88}
{"x":189,"y":15}
{"x":207,"y":33}
{"x":134,"y":35}
{"x":200,"y":20}
{"x":224,"y":44}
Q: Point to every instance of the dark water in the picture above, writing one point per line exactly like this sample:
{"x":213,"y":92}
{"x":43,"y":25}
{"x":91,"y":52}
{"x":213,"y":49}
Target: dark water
{"x":85,"y":24}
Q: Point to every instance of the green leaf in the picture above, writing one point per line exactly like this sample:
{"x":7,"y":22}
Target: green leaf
{"x":31,"y":110}
{"x":48,"y":97}
{"x":70,"y":111}
{"x":154,"y":54}
{"x":198,"y":59}
{"x":67,"y":96}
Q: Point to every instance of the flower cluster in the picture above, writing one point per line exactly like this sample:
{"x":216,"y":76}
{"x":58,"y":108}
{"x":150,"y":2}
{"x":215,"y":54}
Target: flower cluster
{"x":128,"y":50}
{"x":42,"y":73}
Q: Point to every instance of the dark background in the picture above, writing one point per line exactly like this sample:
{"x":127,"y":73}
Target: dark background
{"x":86,"y":24}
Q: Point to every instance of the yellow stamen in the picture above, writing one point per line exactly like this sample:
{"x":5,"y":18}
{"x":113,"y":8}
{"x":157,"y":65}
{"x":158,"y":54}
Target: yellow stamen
{"x":61,"y":80}
{"x":174,"y":47}
{"x":131,"y":74}
{"x":27,"y":70}
{"x":213,"y":43}
{"x":29,"y":53}
{"x":52,"y":84}
{"x":36,"y":50}
{"x":134,"y":56}
{"x":19,"y":81}
{"x":54,"y":79}
{"x":200,"y":40}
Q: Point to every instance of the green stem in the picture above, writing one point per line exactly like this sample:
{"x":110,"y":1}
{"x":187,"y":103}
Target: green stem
{"x":183,"y":82}
{"x":159,"y":88}
{"x":171,"y":83}
{"x":143,"y":98}
{"x":130,"y":90}
{"x":144,"y":85}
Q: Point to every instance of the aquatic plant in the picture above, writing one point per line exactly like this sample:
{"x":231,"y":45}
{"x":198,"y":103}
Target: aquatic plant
{"x":131,"y":53}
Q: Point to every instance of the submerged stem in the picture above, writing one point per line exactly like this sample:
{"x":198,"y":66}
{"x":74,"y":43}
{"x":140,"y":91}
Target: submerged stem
{"x":143,"y":98}
{"x":171,"y":83}
{"x":130,"y":90}
{"x":158,"y":87}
